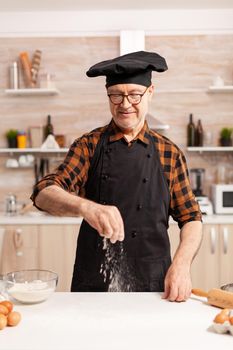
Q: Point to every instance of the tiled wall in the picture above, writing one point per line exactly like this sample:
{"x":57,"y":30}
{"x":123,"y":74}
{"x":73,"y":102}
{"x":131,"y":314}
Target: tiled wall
{"x":194,"y":61}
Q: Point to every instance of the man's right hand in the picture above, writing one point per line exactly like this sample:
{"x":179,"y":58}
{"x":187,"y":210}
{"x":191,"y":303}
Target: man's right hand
{"x":106,"y":219}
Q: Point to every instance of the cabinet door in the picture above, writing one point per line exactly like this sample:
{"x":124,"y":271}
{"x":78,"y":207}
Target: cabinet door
{"x":19,"y":249}
{"x":205,"y":267}
{"x":226,"y":254}
{"x":57,"y":248}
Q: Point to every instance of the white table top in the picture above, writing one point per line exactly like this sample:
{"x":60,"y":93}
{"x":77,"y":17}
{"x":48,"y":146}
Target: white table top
{"x":114,"y":321}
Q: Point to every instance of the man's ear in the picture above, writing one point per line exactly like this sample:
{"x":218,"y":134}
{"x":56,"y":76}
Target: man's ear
{"x":151,"y":90}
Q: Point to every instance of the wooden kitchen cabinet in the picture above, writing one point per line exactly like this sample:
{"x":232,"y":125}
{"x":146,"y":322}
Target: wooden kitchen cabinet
{"x":49,"y":247}
{"x":212,"y":267}
{"x":57,"y":248}
{"x":19,"y":248}
{"x":226,"y":253}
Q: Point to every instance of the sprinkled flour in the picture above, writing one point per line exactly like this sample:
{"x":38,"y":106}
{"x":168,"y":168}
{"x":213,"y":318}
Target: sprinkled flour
{"x":115,"y":269}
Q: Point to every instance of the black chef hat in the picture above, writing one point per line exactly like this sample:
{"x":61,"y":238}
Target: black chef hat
{"x":132,"y":68}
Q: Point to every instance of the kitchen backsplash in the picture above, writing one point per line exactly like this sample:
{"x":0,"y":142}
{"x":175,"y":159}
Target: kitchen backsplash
{"x":194,"y":62}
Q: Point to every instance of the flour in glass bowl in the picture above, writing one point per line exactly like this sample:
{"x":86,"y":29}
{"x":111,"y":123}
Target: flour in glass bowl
{"x":30,"y":292}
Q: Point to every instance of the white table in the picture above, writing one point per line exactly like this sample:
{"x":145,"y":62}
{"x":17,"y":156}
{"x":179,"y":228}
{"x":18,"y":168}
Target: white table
{"x":114,"y":321}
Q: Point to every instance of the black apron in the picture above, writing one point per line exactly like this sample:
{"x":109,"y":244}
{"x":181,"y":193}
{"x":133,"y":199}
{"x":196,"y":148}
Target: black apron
{"x":132,"y":179}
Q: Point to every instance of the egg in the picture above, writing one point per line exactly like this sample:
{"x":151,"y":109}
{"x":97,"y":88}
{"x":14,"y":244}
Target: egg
{"x":225,"y":312}
{"x":3,"y":321}
{"x":13,"y":318}
{"x":4,"y":310}
{"x":8,"y":304}
{"x":221,"y":318}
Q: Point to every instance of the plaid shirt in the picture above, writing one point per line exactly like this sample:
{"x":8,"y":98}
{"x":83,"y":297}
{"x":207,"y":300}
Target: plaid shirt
{"x":72,"y":174}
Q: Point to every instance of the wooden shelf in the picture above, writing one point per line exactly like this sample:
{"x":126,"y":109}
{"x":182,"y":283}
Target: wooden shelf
{"x":221,"y":89}
{"x":180,"y":91}
{"x":210,"y":149}
{"x":31,"y":92}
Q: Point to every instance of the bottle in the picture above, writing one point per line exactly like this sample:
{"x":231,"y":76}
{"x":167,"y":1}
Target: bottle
{"x":199,"y":134}
{"x":14,"y":76}
{"x":48,"y":130}
{"x":190,"y":132}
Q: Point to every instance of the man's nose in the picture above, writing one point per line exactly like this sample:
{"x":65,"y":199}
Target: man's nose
{"x":125,"y":103}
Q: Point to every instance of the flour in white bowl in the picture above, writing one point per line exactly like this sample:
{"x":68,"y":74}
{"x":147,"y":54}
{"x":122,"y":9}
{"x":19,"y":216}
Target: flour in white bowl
{"x":30,"y":292}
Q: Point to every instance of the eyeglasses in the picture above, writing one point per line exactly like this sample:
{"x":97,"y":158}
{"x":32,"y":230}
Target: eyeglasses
{"x":133,"y":99}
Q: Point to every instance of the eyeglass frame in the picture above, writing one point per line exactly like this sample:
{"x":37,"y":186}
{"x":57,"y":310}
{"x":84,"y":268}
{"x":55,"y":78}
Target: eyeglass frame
{"x":123,"y":96}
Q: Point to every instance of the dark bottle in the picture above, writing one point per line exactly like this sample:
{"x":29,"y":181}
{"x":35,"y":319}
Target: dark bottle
{"x":48,"y":130}
{"x":199,"y":134}
{"x":190,"y":132}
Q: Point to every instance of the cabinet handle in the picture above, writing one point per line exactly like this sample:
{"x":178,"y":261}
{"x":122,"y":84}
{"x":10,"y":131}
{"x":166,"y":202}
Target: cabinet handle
{"x":18,"y":241}
{"x":225,"y":240}
{"x":212,"y":240}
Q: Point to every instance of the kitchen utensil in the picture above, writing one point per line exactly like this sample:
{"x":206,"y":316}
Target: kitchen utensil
{"x":228,"y":287}
{"x":30,"y":286}
{"x":197,"y":180}
{"x":11,"y":204}
{"x":216,"y":297}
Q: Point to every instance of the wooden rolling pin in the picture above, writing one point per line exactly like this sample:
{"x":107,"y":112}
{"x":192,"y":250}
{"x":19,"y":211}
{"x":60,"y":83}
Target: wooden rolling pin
{"x":216,"y":297}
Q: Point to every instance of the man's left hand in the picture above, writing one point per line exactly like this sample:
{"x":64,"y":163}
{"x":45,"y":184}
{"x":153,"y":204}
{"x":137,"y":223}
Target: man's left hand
{"x":177,"y":284}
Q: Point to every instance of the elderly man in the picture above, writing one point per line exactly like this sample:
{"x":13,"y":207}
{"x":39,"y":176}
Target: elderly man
{"x":125,"y":180}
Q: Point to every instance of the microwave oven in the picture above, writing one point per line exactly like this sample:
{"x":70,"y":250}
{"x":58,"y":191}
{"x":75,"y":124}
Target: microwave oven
{"x":222,"y":198}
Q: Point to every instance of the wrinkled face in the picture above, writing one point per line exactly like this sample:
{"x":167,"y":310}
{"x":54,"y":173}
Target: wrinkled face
{"x":127,"y":115}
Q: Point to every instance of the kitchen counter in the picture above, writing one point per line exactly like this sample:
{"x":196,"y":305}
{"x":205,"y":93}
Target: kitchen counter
{"x":41,"y":218}
{"x":113,"y":321}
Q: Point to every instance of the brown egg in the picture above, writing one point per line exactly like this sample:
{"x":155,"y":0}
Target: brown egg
{"x":225,"y":312}
{"x":8,"y":304}
{"x":4,"y":310}
{"x":13,"y":318}
{"x":231,"y":320}
{"x":221,"y":318}
{"x":3,"y":321}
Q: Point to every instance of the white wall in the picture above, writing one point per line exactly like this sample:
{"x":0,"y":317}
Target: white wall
{"x":96,"y":23}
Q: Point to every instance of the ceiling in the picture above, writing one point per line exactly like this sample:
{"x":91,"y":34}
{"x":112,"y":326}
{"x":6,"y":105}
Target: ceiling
{"x":81,"y":5}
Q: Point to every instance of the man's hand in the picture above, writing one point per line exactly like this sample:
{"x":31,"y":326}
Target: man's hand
{"x":177,"y":284}
{"x":106,"y":220}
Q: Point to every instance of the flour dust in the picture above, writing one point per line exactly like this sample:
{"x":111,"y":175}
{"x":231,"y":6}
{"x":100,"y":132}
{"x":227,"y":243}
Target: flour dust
{"x":115,"y":269}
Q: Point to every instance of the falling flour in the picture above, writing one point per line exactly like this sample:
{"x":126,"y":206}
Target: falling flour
{"x":115,"y":269}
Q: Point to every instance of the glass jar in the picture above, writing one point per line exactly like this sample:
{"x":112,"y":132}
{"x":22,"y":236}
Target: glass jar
{"x":21,"y":139}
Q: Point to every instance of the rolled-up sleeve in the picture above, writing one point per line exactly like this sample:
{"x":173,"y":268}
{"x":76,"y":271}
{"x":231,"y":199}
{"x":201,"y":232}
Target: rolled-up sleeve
{"x":71,"y":175}
{"x":183,"y":207}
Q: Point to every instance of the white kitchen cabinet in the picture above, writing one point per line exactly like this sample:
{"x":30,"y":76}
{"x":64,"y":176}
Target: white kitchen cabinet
{"x":57,"y":248}
{"x":212,"y":267}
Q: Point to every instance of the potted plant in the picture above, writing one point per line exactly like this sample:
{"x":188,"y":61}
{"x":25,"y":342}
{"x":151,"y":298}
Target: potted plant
{"x":225,"y":137}
{"x":11,"y":136}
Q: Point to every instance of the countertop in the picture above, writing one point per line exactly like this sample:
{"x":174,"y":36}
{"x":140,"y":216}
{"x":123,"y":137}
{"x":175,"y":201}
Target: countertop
{"x":41,"y":218}
{"x":113,"y":321}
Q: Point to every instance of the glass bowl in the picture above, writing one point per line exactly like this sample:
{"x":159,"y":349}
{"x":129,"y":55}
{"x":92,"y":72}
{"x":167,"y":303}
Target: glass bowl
{"x":30,"y":286}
